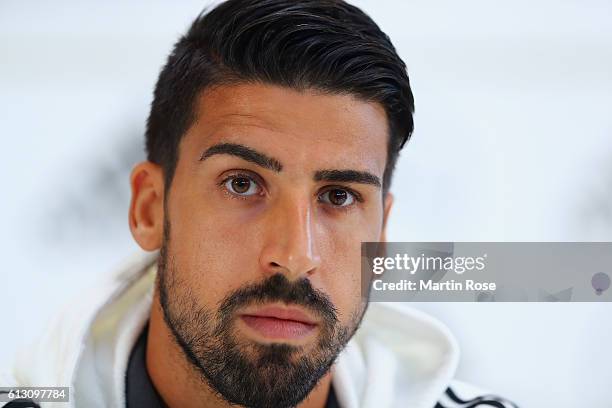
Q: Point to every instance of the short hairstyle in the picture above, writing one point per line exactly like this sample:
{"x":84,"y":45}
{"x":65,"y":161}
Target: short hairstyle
{"x":325,"y":45}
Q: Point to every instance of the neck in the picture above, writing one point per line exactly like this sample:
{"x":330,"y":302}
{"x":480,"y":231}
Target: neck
{"x":180,"y":384}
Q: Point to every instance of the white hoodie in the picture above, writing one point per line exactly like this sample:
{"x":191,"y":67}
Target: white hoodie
{"x":399,"y":357}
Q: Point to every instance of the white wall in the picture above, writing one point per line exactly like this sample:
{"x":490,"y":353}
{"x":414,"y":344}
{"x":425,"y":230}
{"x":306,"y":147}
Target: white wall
{"x":513,"y":141}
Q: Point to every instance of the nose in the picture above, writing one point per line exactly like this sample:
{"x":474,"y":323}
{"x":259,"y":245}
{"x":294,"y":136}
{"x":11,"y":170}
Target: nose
{"x":290,"y":246}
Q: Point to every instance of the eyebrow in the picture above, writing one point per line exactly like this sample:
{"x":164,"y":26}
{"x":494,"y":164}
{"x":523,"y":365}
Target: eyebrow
{"x":347,"y":176}
{"x":245,"y":153}
{"x":263,"y":160}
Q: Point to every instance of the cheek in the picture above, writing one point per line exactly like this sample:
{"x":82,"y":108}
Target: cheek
{"x":340,"y":274}
{"x":214,"y":252}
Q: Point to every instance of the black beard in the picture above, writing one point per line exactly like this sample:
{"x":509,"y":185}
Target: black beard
{"x":243,"y":372}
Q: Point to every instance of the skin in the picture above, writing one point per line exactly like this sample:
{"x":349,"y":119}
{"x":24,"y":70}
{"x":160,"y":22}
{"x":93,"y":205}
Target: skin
{"x":222,"y":241}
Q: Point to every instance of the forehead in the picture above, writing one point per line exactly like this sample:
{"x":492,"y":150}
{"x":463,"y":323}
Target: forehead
{"x":307,"y":126}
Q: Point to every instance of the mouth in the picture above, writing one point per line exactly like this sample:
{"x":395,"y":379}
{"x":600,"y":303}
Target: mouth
{"x":279,"y":323}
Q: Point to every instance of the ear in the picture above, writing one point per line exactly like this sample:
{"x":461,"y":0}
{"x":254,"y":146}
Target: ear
{"x":146,"y":216}
{"x":386,"y":210}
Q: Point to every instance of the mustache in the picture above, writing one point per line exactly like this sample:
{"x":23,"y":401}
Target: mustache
{"x":277,"y":288}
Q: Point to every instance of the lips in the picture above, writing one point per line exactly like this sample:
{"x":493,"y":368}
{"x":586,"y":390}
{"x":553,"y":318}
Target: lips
{"x":279,"y":323}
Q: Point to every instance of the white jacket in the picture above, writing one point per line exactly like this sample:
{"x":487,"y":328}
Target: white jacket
{"x":399,"y":357}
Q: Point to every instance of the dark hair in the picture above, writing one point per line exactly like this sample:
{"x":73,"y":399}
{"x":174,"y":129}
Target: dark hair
{"x":326,"y":45}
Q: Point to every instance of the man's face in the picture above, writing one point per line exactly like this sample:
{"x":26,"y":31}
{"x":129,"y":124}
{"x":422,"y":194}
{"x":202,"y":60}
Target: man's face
{"x":259,"y":278}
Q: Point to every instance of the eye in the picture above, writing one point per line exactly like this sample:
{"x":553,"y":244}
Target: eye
{"x":338,"y":197}
{"x":242,"y":186}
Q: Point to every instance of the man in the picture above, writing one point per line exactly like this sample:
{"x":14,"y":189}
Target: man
{"x":272,"y":138}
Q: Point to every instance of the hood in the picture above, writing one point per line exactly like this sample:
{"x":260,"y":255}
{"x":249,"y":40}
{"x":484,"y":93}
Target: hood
{"x":399,"y":357}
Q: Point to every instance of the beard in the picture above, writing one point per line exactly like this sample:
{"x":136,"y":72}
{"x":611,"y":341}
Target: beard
{"x":241,"y":371}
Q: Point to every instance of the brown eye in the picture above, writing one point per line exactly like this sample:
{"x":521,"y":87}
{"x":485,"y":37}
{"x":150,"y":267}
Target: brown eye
{"x":243,"y":186}
{"x":338,"y":197}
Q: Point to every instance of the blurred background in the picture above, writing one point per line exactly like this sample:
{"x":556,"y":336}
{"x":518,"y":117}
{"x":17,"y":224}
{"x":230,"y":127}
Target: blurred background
{"x":513,"y":142}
